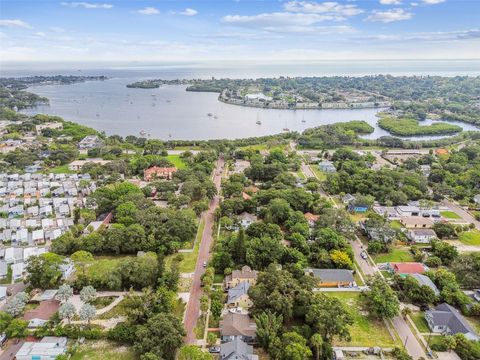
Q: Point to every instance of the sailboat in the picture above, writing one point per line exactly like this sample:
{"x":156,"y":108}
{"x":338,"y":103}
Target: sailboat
{"x":258,"y":122}
{"x":303,"y":117}
{"x":286,"y":129}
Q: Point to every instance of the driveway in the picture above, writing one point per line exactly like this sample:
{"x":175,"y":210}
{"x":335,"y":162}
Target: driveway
{"x":192,"y":312}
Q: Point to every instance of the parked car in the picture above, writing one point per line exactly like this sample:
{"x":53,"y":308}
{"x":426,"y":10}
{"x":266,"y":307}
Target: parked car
{"x":214,"y":349}
{"x":364,"y":256}
{"x":204,"y":264}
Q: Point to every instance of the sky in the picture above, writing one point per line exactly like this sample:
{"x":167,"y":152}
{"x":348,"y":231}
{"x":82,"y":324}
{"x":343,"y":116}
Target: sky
{"x":269,"y":30}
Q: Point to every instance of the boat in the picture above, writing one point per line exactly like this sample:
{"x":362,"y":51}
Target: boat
{"x":215,"y":116}
{"x":286,"y":129}
{"x":258,"y":122}
{"x":210,"y":114}
{"x":303,"y":118}
{"x":142,"y":132}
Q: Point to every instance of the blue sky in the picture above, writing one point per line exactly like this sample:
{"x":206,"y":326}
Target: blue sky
{"x":269,"y":30}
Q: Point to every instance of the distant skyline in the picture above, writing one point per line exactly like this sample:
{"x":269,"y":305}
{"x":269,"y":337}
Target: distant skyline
{"x":270,"y":30}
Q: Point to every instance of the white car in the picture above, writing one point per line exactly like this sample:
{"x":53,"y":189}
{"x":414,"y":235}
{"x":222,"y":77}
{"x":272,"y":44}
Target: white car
{"x":364,"y":256}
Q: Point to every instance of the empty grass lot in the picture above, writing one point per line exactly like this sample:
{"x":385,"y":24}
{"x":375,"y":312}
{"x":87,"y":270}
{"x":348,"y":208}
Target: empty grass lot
{"x":396,"y":255}
{"x":177,"y":161}
{"x":450,"y":215}
{"x":418,"y":319}
{"x":103,"y":350}
{"x":365,"y":331}
{"x":470,"y":237}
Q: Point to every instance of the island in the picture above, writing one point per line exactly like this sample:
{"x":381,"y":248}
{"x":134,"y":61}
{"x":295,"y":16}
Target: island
{"x":412,"y":127}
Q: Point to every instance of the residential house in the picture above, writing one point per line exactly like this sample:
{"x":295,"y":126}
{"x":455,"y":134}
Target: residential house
{"x":237,"y":349}
{"x":246,"y":219}
{"x":42,"y":313}
{"x":424,"y":280}
{"x":246,"y":274}
{"x":358,"y":207}
{"x":445,"y":319}
{"x":407,"y":268}
{"x":422,"y":236}
{"x":48,"y":125}
{"x":408,"y":210}
{"x":67,"y":268}
{"x":416,"y":222}
{"x":77,"y":165}
{"x":49,"y":348}
{"x":17,"y":271}
{"x":90,"y":142}
{"x":332,"y":277}
{"x":237,"y":325}
{"x":157,"y":172}
{"x":348,"y":198}
{"x":327,"y":167}
{"x":3,"y":269}
{"x":38,"y":236}
{"x":238,"y":296}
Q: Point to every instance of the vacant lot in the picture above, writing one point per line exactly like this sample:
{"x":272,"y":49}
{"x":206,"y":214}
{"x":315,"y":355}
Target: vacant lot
{"x":470,"y":237}
{"x":103,"y":350}
{"x":396,"y":255}
{"x":177,"y":161}
{"x":364,"y":331}
{"x":450,"y":215}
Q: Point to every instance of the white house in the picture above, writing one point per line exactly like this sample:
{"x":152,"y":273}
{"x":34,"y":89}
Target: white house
{"x":17,"y":271}
{"x":422,"y":236}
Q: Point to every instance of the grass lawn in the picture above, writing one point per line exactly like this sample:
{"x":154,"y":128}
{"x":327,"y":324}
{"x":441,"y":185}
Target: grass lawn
{"x":187,"y":265}
{"x":117,"y":311}
{"x":218,"y":278}
{"x":475,"y":322}
{"x":103,"y":350}
{"x":450,"y":215}
{"x":62,"y":169}
{"x":200,"y":327}
{"x":418,"y":319}
{"x":396,"y":255}
{"x":318,"y":173}
{"x":470,"y":237}
{"x":8,"y":279}
{"x":180,"y":308}
{"x":177,"y":161}
{"x":103,"y":301}
{"x":395,"y":224}
{"x":364,"y":331}
{"x":300,"y":174}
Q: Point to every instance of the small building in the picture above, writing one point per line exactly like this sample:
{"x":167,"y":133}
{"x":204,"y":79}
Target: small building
{"x":246,"y":274}
{"x":445,"y":319}
{"x":327,"y":167}
{"x":476,"y":199}
{"x":421,"y":236}
{"x":157,"y":172}
{"x":237,"y":325}
{"x":17,"y":271}
{"x":3,"y":269}
{"x":348,"y":198}
{"x":237,"y":349}
{"x":49,"y":347}
{"x":332,"y":277}
{"x":238,"y":296}
{"x":386,"y":211}
{"x":3,"y":293}
{"x":407,"y":268}
{"x":77,"y":165}
{"x":424,"y":280}
{"x":42,"y":313}
{"x":246,"y":219}
{"x":48,"y":125}
{"x":408,"y":210}
{"x":90,"y":142}
{"x":311,"y":218}
{"x":416,"y":222}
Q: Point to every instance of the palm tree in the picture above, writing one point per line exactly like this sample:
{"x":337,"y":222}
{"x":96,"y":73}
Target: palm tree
{"x":406,"y":311}
{"x":316,"y":342}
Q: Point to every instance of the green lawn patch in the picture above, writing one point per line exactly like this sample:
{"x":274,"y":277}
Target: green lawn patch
{"x":187,"y":265}
{"x":395,"y":224}
{"x":62,"y":169}
{"x":412,"y":127}
{"x":103,"y":350}
{"x":117,"y":311}
{"x":418,"y":319}
{"x":450,"y":215}
{"x":396,"y":255}
{"x":218,"y":278}
{"x":470,"y":237}
{"x":318,"y":173}
{"x":103,"y":301}
{"x":177,"y":161}
{"x":365,"y":331}
{"x":8,"y":279}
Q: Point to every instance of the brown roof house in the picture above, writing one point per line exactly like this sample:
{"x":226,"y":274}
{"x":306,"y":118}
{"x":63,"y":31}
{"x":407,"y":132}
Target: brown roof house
{"x":235,"y":324}
{"x":246,"y":274}
{"x":332,"y":277}
{"x":156,"y":172}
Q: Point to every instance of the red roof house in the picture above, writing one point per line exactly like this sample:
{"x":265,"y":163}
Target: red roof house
{"x":157,"y":172}
{"x":408,"y":268}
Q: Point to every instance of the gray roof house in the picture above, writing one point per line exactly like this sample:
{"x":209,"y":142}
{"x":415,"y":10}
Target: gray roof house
{"x":327,"y":166}
{"x":446,"y":319}
{"x":3,"y":269}
{"x":424,"y":280}
{"x":237,"y":292}
{"x":332,"y":277}
{"x":237,"y":349}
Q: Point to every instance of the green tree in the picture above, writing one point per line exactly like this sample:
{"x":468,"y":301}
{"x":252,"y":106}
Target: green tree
{"x":294,"y":347}
{"x":17,"y":328}
{"x":44,"y":271}
{"x":316,"y":341}
{"x":382,"y":302}
{"x":192,"y":352}
{"x":269,"y":327}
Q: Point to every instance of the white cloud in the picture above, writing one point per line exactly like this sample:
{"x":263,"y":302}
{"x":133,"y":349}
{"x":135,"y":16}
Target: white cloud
{"x":14,"y":23}
{"x":188,"y":12}
{"x":390,"y":2}
{"x":432,"y":2}
{"x":149,"y":10}
{"x":423,"y":36}
{"x":280,"y":21}
{"x":56,"y":29}
{"x":87,"y":5}
{"x":389,"y":15}
{"x":414,"y":4}
{"x":312,"y":7}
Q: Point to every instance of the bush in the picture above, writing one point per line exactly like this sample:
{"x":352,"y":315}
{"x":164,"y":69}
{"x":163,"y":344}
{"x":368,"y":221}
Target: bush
{"x":439,"y":347}
{"x":123,"y":333}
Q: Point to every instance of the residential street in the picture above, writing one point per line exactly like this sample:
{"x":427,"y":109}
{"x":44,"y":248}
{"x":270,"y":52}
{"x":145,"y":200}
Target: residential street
{"x":466,"y":216}
{"x":193,"y":307}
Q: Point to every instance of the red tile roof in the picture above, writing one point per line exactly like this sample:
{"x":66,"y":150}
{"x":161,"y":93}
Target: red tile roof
{"x":408,"y":268}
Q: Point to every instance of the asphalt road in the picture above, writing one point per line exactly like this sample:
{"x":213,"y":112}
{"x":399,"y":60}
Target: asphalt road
{"x":193,"y":307}
{"x":466,"y":216}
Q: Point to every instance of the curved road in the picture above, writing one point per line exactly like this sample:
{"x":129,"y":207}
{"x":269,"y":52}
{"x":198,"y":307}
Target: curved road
{"x":193,"y":307}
